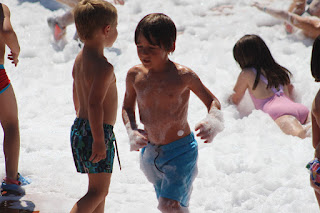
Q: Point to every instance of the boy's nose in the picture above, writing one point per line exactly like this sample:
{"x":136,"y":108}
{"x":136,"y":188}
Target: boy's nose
{"x":145,"y":51}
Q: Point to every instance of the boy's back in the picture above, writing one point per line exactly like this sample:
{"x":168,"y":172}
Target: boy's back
{"x":88,"y":71}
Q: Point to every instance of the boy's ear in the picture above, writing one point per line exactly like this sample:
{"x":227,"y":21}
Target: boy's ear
{"x":172,"y":49}
{"x":106,"y":29}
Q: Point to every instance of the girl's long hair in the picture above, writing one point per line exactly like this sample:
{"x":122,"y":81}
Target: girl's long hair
{"x":315,"y":59}
{"x":252,"y":52}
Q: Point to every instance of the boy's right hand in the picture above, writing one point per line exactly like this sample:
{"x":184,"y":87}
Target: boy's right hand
{"x":138,"y":139}
{"x":98,"y":151}
{"x":14,"y":58}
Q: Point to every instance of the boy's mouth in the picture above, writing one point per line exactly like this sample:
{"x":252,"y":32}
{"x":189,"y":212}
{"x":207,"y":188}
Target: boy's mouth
{"x":146,"y":61}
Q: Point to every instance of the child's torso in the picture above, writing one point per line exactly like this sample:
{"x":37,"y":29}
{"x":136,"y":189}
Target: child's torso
{"x":83,"y":78}
{"x":163,"y":105}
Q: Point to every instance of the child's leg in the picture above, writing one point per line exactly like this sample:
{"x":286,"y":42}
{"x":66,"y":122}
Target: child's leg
{"x":66,"y":19}
{"x":94,"y":200}
{"x":297,"y":7}
{"x":318,"y":197}
{"x":167,"y":206}
{"x":309,"y":25}
{"x":291,"y":126}
{"x":10,"y":124}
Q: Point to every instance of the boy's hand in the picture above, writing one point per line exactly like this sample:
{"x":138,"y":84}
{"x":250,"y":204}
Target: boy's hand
{"x":138,"y":139}
{"x":206,"y":132}
{"x":98,"y":151}
{"x":210,"y":126}
{"x":14,"y":58}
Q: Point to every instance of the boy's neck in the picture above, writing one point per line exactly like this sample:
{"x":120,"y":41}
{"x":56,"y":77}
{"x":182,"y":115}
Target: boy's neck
{"x":165,"y":67}
{"x":94,"y":47}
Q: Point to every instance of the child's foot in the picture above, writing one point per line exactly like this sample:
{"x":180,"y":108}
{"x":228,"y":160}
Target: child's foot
{"x":23,"y":180}
{"x":13,"y":187}
{"x":58,"y":30}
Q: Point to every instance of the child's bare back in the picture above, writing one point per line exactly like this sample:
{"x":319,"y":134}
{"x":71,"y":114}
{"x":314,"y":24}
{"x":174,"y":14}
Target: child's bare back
{"x":163,"y":101}
{"x":88,"y":72}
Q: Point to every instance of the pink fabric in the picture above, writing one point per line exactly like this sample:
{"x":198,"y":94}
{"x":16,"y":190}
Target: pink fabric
{"x":279,"y":104}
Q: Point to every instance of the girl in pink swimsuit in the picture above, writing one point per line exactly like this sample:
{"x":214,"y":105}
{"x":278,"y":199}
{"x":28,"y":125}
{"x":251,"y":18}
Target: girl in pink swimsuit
{"x":269,"y":86}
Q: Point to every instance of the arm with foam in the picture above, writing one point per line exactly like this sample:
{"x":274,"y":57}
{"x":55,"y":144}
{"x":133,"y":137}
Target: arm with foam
{"x":211,"y":125}
{"x":137,"y":137}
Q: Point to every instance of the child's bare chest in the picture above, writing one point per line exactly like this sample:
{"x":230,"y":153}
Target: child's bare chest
{"x":164,"y":88}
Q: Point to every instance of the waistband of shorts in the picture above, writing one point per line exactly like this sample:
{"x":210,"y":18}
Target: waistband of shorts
{"x":182,"y":141}
{"x":78,"y":121}
{"x":2,"y":66}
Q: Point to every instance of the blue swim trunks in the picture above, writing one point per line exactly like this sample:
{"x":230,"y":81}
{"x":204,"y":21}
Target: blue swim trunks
{"x":81,"y":145}
{"x":171,"y":168}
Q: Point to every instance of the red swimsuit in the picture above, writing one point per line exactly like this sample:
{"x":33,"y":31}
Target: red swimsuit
{"x":4,"y":80}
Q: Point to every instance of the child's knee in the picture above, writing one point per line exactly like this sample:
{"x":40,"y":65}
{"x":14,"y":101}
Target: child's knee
{"x":101,"y":193}
{"x":10,"y":127}
{"x":168,"y":205}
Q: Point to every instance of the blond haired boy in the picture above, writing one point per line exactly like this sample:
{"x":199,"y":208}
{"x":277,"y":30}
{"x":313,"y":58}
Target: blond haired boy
{"x":95,"y":100}
{"x":59,"y":24}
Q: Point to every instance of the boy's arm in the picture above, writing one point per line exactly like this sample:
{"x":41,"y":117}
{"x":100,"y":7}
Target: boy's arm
{"x":239,"y":89}
{"x":315,"y":117}
{"x":98,"y":91}
{"x":213,"y":123}
{"x":75,"y":95}
{"x":10,"y":37}
{"x":138,"y":138}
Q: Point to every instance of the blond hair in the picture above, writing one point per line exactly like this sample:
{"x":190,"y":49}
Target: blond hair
{"x":90,"y":15}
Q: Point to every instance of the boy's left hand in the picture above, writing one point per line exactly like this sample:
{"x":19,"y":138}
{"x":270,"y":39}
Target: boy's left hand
{"x":98,"y":152}
{"x":205,"y":131}
{"x":210,"y":126}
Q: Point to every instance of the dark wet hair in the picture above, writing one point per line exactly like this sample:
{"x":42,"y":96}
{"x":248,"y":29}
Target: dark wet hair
{"x":252,"y":52}
{"x":315,"y":59}
{"x":158,"y":29}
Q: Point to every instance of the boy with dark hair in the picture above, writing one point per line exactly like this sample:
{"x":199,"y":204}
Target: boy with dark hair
{"x":162,"y":90}
{"x":95,"y":100}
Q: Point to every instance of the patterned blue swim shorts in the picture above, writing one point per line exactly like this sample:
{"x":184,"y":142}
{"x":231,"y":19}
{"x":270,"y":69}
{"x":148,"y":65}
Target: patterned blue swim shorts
{"x":81,"y":145}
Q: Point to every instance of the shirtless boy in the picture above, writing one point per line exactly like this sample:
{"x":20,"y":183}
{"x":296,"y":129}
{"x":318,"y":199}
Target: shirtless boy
{"x":162,"y":90}
{"x":8,"y":107}
{"x":95,"y":100}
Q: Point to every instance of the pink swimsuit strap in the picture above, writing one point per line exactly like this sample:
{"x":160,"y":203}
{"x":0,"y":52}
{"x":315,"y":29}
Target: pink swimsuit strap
{"x":277,"y":92}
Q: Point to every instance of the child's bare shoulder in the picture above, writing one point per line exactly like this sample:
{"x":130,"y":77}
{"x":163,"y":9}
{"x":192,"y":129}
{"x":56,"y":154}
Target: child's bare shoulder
{"x":186,"y":73}
{"x":136,"y":70}
{"x":100,"y":67}
{"x":316,"y":105}
{"x":248,"y":74}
